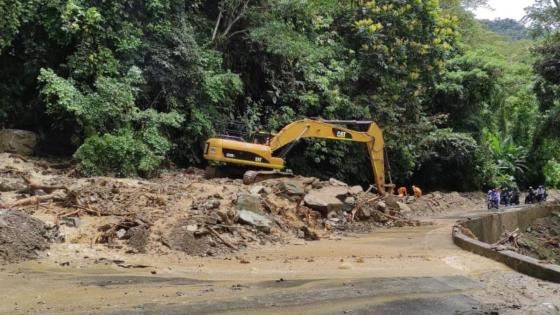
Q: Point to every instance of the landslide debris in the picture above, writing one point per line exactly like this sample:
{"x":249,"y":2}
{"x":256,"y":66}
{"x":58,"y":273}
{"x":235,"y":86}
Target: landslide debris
{"x":541,"y":240}
{"x":22,"y":236}
{"x":183,"y":211}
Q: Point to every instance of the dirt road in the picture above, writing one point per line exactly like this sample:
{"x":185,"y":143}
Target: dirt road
{"x":406,"y":270}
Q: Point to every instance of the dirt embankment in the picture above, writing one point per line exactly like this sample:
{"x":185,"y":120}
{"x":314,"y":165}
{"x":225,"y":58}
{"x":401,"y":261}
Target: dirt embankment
{"x":182,"y":211}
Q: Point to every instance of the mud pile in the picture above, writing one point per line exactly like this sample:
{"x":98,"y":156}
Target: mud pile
{"x":438,"y":202}
{"x":22,"y":236}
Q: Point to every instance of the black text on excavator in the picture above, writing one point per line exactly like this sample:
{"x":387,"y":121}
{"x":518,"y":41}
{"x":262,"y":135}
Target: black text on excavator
{"x":236,"y":151}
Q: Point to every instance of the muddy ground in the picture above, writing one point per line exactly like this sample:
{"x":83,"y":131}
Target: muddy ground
{"x":177,"y":244}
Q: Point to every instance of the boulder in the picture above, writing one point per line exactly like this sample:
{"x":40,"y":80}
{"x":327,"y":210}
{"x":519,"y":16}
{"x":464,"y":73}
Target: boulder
{"x":349,"y":203}
{"x":336,"y":182}
{"x":364,"y":213}
{"x":254,"y":219}
{"x":292,"y":188}
{"x":322,"y":201}
{"x":354,"y":190}
{"x":17,"y":141}
{"x":248,"y":202}
{"x":404,"y":208}
{"x":339,"y":192}
{"x":381,"y":206}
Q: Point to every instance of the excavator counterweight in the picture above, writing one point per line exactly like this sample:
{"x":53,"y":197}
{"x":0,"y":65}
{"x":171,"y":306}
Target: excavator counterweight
{"x":226,"y":150}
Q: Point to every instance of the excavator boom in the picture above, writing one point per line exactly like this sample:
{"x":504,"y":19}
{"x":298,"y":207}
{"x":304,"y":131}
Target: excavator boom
{"x":271,"y":155}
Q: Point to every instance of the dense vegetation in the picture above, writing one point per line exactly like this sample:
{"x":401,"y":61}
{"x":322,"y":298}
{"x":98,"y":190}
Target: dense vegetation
{"x":130,"y":86}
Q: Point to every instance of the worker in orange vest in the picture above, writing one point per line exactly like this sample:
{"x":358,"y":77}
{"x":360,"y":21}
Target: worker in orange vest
{"x":417,"y":191}
{"x":402,"y":192}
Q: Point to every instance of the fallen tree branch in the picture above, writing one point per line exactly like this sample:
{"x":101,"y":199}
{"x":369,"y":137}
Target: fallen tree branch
{"x":37,"y":199}
{"x":213,"y":232}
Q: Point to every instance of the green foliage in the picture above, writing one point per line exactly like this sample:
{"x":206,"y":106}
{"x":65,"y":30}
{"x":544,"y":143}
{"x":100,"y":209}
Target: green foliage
{"x":447,"y":160}
{"x":507,"y":27}
{"x":552,"y":173}
{"x":132,"y":83}
{"x":119,"y":137}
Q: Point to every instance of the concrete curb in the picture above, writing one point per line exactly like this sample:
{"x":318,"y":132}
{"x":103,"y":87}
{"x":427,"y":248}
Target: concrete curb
{"x":521,"y":263}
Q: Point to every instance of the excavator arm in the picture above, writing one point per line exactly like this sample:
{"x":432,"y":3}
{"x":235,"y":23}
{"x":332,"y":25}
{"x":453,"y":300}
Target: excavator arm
{"x":307,"y":128}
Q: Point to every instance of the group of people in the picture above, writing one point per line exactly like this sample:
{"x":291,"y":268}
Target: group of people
{"x":507,"y":196}
{"x":536,"y":195}
{"x":403,"y":192}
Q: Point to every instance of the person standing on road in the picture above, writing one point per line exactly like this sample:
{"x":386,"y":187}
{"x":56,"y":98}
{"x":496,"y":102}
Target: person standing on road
{"x":541,"y":194}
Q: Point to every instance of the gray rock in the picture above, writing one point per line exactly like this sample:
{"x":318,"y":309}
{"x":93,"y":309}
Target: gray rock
{"x":354,"y":190}
{"x":336,"y":182}
{"x":404,"y":208}
{"x":211,"y":204}
{"x":12,"y":184}
{"x":322,"y":201}
{"x":17,"y":141}
{"x":254,"y":219}
{"x":339,"y":192}
{"x":364,"y":213}
{"x":71,"y":221}
{"x":248,"y":202}
{"x":121,"y":233}
{"x":544,"y":309}
{"x":256,"y":190}
{"x":381,"y":206}
{"x":292,"y":188}
{"x":349,"y":203}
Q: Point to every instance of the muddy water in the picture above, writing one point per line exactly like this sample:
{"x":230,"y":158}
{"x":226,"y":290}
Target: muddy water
{"x":83,"y":286}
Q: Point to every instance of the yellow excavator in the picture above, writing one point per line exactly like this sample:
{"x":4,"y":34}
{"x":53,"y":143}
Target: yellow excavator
{"x":235,"y":151}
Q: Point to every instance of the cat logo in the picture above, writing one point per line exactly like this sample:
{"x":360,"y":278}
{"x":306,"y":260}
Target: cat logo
{"x":258,"y":159}
{"x":341,"y":134}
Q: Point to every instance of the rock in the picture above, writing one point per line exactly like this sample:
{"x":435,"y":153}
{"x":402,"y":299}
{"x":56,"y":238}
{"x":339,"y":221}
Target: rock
{"x":251,"y":218}
{"x":292,"y":188}
{"x":544,"y":309}
{"x":17,"y":141}
{"x":364,"y":213}
{"x":308,"y":234}
{"x":391,"y":202}
{"x":404,"y":208}
{"x":381,"y":206}
{"x":12,"y":184}
{"x":211,"y":204}
{"x":192,"y":227}
{"x":71,"y":221}
{"x":336,"y":182}
{"x":339,"y":192}
{"x":248,"y":202}
{"x":322,"y":201}
{"x":256,"y":190}
{"x":354,"y":190}
{"x":349,"y":203}
{"x":121,"y":233}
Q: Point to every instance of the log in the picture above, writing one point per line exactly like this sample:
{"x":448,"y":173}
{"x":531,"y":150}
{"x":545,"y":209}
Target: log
{"x":36,"y":200}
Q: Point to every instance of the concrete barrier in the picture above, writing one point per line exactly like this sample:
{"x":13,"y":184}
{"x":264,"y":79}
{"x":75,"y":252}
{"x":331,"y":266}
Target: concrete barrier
{"x":489,"y":228}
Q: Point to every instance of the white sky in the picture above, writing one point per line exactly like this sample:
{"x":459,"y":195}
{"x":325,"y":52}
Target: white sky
{"x":512,"y":9}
